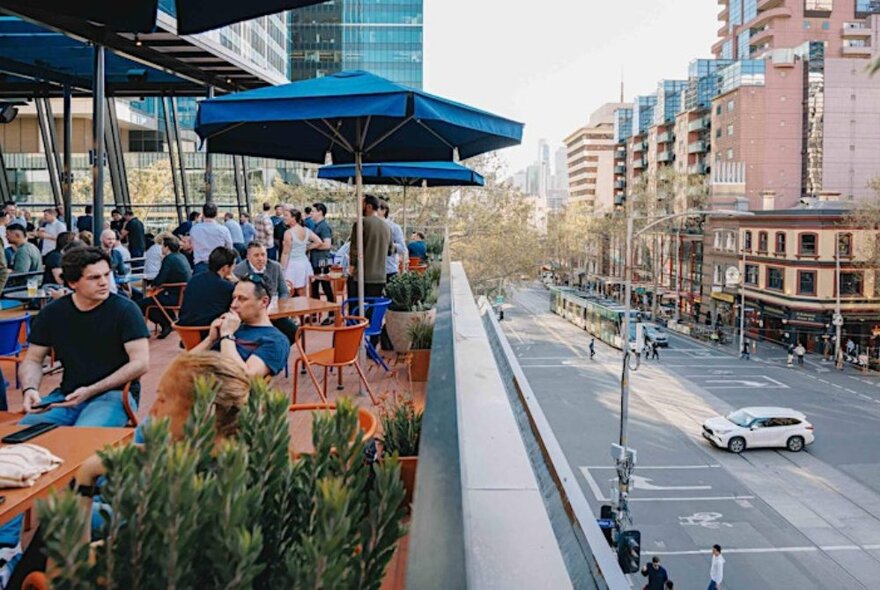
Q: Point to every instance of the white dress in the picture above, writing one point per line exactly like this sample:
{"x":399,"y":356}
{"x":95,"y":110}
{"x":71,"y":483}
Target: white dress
{"x":299,"y":269}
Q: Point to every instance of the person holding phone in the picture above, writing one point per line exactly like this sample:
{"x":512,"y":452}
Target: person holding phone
{"x":100,"y":339}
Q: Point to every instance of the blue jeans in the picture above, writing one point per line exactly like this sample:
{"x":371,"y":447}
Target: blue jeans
{"x":102,"y":410}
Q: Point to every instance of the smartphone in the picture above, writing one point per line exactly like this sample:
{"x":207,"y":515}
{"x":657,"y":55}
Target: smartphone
{"x":46,"y":402}
{"x":42,"y":405}
{"x":28,"y":433}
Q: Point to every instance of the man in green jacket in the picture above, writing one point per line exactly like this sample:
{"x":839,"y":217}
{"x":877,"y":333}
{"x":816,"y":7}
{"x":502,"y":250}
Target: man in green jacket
{"x":377,"y":247}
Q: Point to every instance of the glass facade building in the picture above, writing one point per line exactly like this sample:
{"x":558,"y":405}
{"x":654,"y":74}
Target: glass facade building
{"x":668,"y":100}
{"x":643,"y":113}
{"x":746,"y":72}
{"x":703,"y":83}
{"x":383,"y":37}
{"x":623,"y":124}
{"x":866,"y":7}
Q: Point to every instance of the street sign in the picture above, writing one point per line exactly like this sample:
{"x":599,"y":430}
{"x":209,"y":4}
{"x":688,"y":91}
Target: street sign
{"x":732,"y":276}
{"x":837,"y":319}
{"x":499,"y":300}
{"x":605,"y":523}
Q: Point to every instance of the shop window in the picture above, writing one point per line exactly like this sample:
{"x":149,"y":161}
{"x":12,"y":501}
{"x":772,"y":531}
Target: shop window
{"x":747,"y":241}
{"x":808,"y":244}
{"x":806,"y":282}
{"x":762,"y":241}
{"x":775,"y":278}
{"x":779,"y":243}
{"x":751,"y":274}
{"x":851,"y":284}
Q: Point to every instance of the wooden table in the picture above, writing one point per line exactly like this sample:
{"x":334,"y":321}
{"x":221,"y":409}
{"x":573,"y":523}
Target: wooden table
{"x":42,"y":296}
{"x":300,"y":307}
{"x":71,"y":444}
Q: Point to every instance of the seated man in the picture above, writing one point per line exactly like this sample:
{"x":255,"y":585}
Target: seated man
{"x":100,"y":339}
{"x":174,"y":269}
{"x":245,"y":335}
{"x":258,"y":263}
{"x":417,"y":247}
{"x":209,"y":294}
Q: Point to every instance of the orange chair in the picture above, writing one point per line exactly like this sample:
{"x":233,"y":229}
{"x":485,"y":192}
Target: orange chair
{"x":126,"y":403}
{"x":419,"y":268}
{"x":414,"y":261}
{"x":366,"y":419}
{"x":164,"y":309}
{"x":191,"y":336}
{"x":35,"y":581}
{"x":347,"y":340}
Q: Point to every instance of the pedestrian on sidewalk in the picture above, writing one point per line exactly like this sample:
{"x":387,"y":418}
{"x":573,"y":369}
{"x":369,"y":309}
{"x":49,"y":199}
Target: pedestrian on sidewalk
{"x":656,"y":574}
{"x":716,"y":570}
{"x":746,"y":351}
{"x":840,"y":360}
{"x":800,"y":351}
{"x":655,"y":351}
{"x":790,"y":355}
{"x":592,"y":347}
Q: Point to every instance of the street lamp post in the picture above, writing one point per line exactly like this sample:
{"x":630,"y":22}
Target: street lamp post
{"x":624,"y":460}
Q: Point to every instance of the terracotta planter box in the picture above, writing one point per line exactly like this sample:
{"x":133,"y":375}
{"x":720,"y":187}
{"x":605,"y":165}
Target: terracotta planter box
{"x":397,"y":323}
{"x":408,"y":467}
{"x":421,"y":362}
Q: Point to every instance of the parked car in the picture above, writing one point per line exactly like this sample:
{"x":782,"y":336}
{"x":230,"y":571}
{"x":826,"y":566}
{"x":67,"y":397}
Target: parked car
{"x":759,"y":427}
{"x":656,"y":334}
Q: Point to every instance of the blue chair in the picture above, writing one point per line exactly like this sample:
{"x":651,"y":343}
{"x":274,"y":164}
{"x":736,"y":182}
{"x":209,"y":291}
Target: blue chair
{"x":374,"y":310}
{"x":13,"y":340}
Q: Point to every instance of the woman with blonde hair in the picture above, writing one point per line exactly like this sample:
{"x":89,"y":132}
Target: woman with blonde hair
{"x":298,"y":240}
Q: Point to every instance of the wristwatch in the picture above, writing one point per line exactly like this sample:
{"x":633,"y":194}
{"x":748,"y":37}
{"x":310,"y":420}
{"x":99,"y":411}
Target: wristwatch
{"x":228,"y":337}
{"x":26,"y":389}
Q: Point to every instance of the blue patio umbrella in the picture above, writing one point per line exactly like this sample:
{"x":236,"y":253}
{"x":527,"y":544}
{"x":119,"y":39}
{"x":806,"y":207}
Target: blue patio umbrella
{"x":354,"y":117}
{"x":406,"y":174}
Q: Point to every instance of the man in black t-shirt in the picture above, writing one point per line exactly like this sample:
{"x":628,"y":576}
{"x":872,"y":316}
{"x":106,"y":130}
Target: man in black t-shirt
{"x":133,"y":231}
{"x":100,"y":339}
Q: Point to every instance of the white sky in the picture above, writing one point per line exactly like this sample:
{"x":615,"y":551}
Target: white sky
{"x":550,"y":63}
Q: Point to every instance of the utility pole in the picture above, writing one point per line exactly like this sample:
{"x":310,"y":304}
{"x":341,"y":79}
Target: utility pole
{"x":838,"y":316}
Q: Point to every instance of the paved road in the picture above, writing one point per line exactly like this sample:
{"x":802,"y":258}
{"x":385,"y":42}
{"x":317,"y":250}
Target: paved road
{"x":806,"y":520}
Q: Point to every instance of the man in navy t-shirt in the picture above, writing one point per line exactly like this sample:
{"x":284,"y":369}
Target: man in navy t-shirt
{"x":245,"y":335}
{"x":100,"y":339}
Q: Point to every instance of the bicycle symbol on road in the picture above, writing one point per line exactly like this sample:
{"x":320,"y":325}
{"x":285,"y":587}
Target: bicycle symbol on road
{"x":709,"y":520}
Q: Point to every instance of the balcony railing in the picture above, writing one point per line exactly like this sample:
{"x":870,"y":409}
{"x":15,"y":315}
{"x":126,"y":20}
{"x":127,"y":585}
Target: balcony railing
{"x":698,"y":147}
{"x":699,"y":124}
{"x":639,"y":163}
{"x":665,"y":137}
{"x":619,"y":184}
{"x":640,"y":146}
{"x":620,"y":169}
{"x":697,"y":169}
{"x":667,"y":156}
{"x":479,"y":406}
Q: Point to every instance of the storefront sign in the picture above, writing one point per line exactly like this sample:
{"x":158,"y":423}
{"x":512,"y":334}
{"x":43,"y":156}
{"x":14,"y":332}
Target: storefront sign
{"x":724,"y":297}
{"x":774,"y":311}
{"x":806,"y":316}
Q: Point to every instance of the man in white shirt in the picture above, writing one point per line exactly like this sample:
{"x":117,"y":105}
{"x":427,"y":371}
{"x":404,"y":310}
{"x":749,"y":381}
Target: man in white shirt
{"x":716,"y":570}
{"x":392,"y":261}
{"x":206,"y":236}
{"x":49,"y":232}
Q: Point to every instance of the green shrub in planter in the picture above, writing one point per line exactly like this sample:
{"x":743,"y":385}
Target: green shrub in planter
{"x":421,"y":334}
{"x":409,"y":292}
{"x":402,"y":429}
{"x":246,"y":515}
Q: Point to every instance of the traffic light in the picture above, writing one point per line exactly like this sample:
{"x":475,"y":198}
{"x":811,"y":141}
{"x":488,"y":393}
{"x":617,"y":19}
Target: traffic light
{"x":629,"y":551}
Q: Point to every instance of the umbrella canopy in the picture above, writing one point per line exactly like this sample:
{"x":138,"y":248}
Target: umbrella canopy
{"x":406,"y":174}
{"x":139,"y":16}
{"x":354,"y":116}
{"x":348,"y":113}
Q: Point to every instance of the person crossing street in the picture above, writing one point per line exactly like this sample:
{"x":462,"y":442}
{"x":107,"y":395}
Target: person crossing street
{"x":592,"y":347}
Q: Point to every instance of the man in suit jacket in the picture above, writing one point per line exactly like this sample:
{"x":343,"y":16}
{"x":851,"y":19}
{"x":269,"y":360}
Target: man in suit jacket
{"x":271,"y":275}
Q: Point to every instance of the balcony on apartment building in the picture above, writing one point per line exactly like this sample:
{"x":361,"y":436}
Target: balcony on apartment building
{"x":765,"y":16}
{"x":639,"y":163}
{"x":764,"y":5}
{"x":480,"y":407}
{"x":620,"y":169}
{"x":856,"y":48}
{"x":666,"y":156}
{"x":666,"y":137}
{"x":699,"y":124}
{"x":857,"y":30}
{"x":619,"y":200}
{"x":621,"y":184}
{"x":640,"y":146}
{"x":764,"y":37}
{"x":698,"y":147}
{"x":698,"y":168}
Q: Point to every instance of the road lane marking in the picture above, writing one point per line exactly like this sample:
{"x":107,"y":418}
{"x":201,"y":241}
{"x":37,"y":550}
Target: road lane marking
{"x":594,"y":485}
{"x":693,"y":499}
{"x":804,"y":549}
{"x":641,"y":467}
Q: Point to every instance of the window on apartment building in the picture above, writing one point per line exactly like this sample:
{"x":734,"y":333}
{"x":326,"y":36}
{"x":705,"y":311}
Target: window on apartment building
{"x":731,"y":104}
{"x":747,"y":241}
{"x":730,"y":241}
{"x":718,"y":133}
{"x":844,"y":244}
{"x":762,"y":241}
{"x":718,"y":110}
{"x":775,"y":278}
{"x":818,"y":5}
{"x":808,"y":244}
{"x":729,"y":153}
{"x":826,"y":26}
{"x":718,"y":240}
{"x":807,"y":24}
{"x":779,"y":243}
{"x":730,"y":130}
{"x":751,"y":274}
{"x":719,"y":275}
{"x":851,"y":284}
{"x":806,"y":282}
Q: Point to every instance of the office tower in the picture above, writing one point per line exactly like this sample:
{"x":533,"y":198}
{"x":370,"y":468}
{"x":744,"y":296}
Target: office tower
{"x":591,"y":159}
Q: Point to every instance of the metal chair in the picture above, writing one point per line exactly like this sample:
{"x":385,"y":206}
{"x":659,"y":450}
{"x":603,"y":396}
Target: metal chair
{"x":374,"y":309}
{"x":164,"y":309}
{"x":347,"y":339}
{"x":14,"y":334}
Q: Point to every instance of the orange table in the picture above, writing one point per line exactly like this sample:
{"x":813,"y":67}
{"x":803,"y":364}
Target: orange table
{"x":71,"y":444}
{"x":300,"y":307}
{"x":10,"y":417}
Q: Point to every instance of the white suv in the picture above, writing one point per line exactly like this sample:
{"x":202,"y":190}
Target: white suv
{"x":759,"y":427}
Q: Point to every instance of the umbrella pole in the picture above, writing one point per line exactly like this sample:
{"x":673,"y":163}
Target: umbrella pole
{"x":405,"y":262}
{"x":359,"y":231}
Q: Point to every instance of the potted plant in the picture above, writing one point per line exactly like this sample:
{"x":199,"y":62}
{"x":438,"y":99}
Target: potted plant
{"x":412,"y":297}
{"x":421,"y":334}
{"x":401,"y":431}
{"x":187,"y":514}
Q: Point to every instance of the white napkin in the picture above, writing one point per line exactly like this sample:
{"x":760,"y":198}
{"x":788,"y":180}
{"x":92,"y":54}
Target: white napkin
{"x":21,"y":465}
